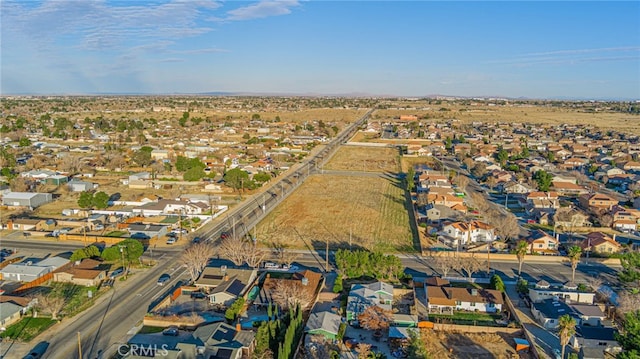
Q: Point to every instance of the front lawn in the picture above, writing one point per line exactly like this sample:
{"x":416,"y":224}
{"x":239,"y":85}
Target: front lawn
{"x":76,"y":297}
{"x":116,"y":234}
{"x":27,"y":328}
{"x":466,"y":318}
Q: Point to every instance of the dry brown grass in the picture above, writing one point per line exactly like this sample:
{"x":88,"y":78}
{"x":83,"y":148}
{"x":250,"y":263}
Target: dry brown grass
{"x":327,"y":207}
{"x":522,"y":114}
{"x":447,"y":344}
{"x":364,"y":159}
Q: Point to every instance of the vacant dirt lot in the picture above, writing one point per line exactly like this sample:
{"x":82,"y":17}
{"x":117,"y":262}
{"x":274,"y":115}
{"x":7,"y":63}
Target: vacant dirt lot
{"x":443,"y":344}
{"x":331,"y":207}
{"x":364,"y":159}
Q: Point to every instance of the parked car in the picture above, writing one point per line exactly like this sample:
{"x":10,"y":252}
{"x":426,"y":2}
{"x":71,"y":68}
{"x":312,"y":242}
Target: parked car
{"x":197,"y":239}
{"x":172,"y":331}
{"x":6,"y":252}
{"x":198,"y":295}
{"x":163,"y":279}
{"x":171,"y":240}
{"x":116,"y":273}
{"x":271,"y":265}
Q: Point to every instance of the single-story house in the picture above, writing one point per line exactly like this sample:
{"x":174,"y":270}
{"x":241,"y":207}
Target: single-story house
{"x":28,"y":271}
{"x":138,"y":230}
{"x":602,"y":338}
{"x":10,"y":313}
{"x":213,"y":277}
{"x":326,"y":324}
{"x":217,"y":340}
{"x":548,"y":311}
{"x":88,"y":272}
{"x":81,"y":186}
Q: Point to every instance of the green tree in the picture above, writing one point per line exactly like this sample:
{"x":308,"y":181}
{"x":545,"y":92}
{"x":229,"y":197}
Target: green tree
{"x":236,"y":178}
{"x":100,"y":200}
{"x":566,"y":329}
{"x":87,"y":252}
{"x":416,"y":348}
{"x":234,"y":310}
{"x":522,"y":247}
{"x":411,"y":173}
{"x":85,"y":200}
{"x":629,"y":337}
{"x":448,"y":144}
{"x":193,"y":174}
{"x":630,"y":273}
{"x":131,"y":249}
{"x":143,"y":156}
{"x":502,"y":156}
{"x":261,"y":177}
{"x":543,"y":178}
{"x":497,"y":283}
{"x":24,"y":142}
{"x":337,"y":284}
{"x":574,"y":254}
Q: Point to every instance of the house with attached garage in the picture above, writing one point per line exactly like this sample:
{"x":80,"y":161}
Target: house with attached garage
{"x":223,"y":285}
{"x":467,"y":233}
{"x":449,"y":299}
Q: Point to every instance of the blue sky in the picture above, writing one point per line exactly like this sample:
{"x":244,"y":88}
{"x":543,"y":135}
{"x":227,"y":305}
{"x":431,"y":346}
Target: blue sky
{"x":551,"y":49}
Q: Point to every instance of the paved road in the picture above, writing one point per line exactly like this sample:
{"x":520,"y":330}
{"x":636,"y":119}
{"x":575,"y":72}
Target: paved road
{"x":105,"y":324}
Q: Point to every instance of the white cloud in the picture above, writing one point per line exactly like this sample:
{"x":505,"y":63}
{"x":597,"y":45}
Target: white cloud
{"x":262,"y":9}
{"x":573,"y":56}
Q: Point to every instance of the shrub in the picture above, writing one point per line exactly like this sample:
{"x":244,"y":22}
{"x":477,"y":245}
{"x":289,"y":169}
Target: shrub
{"x":337,"y":285}
{"x":497,"y":283}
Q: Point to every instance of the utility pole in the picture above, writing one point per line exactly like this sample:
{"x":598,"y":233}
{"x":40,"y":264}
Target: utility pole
{"x":124,"y":269}
{"x":79,"y":346}
{"x":326,"y":258}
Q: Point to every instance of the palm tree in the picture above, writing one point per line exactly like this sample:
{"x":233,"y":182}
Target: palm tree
{"x":574,"y":254}
{"x":566,"y":329}
{"x":521,"y":250}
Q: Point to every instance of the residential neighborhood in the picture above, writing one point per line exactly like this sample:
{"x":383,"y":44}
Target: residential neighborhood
{"x":514,"y":229}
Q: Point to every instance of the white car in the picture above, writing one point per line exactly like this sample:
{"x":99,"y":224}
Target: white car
{"x":171,"y":240}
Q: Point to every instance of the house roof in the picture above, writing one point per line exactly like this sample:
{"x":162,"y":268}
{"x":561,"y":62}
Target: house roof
{"x":214,"y":276}
{"x":327,"y":321}
{"x":449,"y":295}
{"x":597,"y":238}
{"x":436,"y":281}
{"x":20,"y":195}
{"x":7,"y":309}
{"x":223,"y":335}
{"x":588,"y":310}
{"x":600,"y":333}
{"x":553,"y":309}
{"x":540,"y":234}
{"x":21,"y":301}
